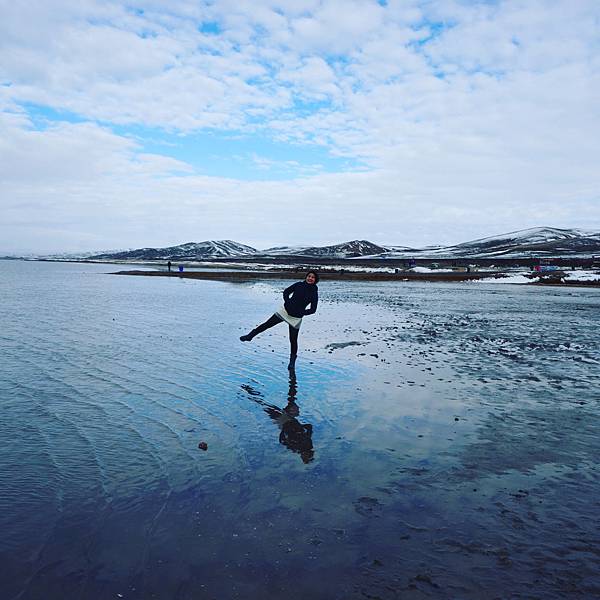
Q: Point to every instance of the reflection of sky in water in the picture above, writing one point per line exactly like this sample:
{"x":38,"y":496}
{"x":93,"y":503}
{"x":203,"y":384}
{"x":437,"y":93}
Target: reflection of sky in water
{"x":452,"y":430}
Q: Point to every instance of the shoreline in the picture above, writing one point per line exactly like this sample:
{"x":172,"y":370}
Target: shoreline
{"x":349,"y":276}
{"x":324,"y":275}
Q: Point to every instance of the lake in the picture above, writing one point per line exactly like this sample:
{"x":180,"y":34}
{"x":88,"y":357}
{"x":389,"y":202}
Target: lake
{"x":452,"y":450}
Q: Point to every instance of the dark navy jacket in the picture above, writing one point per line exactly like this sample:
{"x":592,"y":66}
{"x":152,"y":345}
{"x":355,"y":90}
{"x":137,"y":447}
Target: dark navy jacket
{"x":298,"y":296}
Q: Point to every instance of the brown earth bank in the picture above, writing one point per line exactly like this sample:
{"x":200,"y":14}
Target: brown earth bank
{"x":338,"y":276}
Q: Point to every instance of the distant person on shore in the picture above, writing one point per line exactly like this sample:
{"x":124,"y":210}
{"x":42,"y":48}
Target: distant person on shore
{"x":169,"y":266}
{"x":296,"y":300}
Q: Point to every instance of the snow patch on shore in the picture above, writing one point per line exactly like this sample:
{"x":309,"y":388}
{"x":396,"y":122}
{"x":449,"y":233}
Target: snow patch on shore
{"x":427,"y":270}
{"x":583,"y":276}
{"x":516,"y":278}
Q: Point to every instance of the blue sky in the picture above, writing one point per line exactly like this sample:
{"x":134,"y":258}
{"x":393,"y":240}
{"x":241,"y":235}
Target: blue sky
{"x":308,"y":122}
{"x":233,"y":154}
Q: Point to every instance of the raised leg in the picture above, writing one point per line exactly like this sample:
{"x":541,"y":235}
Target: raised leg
{"x":270,"y":322}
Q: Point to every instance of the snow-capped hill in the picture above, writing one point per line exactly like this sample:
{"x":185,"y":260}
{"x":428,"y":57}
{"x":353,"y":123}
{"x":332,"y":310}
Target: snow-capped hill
{"x":401,"y":248}
{"x":70,"y":256}
{"x":284,"y":251}
{"x":408,"y":252}
{"x":535,"y":235}
{"x":526,"y":243}
{"x":188,"y":251}
{"x":217,"y":248}
{"x":537,"y":241}
{"x":534,"y":242}
{"x":354,"y":248}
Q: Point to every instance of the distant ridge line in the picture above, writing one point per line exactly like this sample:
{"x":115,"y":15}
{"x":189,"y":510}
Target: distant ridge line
{"x":526,"y":243}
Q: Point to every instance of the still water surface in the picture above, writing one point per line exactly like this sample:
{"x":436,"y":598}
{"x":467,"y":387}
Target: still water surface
{"x":439,"y":440}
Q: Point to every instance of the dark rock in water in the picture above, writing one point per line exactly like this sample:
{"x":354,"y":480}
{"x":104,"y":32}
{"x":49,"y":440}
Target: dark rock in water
{"x":203,"y":446}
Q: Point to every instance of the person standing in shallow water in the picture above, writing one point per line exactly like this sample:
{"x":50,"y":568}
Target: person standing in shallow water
{"x":296,"y":300}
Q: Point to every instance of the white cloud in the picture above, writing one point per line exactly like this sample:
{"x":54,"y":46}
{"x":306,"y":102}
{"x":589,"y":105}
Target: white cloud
{"x":92,"y":188}
{"x":316,"y":77}
{"x":466,"y":118}
{"x":336,"y":27}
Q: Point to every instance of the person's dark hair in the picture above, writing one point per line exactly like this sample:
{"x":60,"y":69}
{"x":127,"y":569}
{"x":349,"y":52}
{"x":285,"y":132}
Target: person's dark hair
{"x":314,"y":273}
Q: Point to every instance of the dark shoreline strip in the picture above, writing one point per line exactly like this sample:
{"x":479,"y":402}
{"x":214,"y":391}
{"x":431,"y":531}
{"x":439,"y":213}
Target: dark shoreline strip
{"x":335,"y":276}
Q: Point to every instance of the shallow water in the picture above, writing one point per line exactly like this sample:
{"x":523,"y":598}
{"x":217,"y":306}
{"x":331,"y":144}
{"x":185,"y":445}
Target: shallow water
{"x":453,"y":451}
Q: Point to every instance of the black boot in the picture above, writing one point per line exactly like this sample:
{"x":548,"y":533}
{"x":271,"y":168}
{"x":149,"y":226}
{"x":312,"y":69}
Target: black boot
{"x":246,"y":338}
{"x":292,"y":363}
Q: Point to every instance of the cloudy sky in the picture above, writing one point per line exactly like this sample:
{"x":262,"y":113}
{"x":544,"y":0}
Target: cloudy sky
{"x":409,"y":122}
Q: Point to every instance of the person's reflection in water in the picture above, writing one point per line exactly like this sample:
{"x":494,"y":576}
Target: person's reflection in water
{"x":294,"y":435}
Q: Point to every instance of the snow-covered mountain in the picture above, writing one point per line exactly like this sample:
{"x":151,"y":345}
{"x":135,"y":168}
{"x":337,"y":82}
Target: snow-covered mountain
{"x":514,"y":239}
{"x":80,"y":255}
{"x":189,"y":251}
{"x":352,"y":249}
{"x":535,"y":242}
{"x":526,"y":243}
{"x":277,"y":251}
{"x":538,"y":241}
